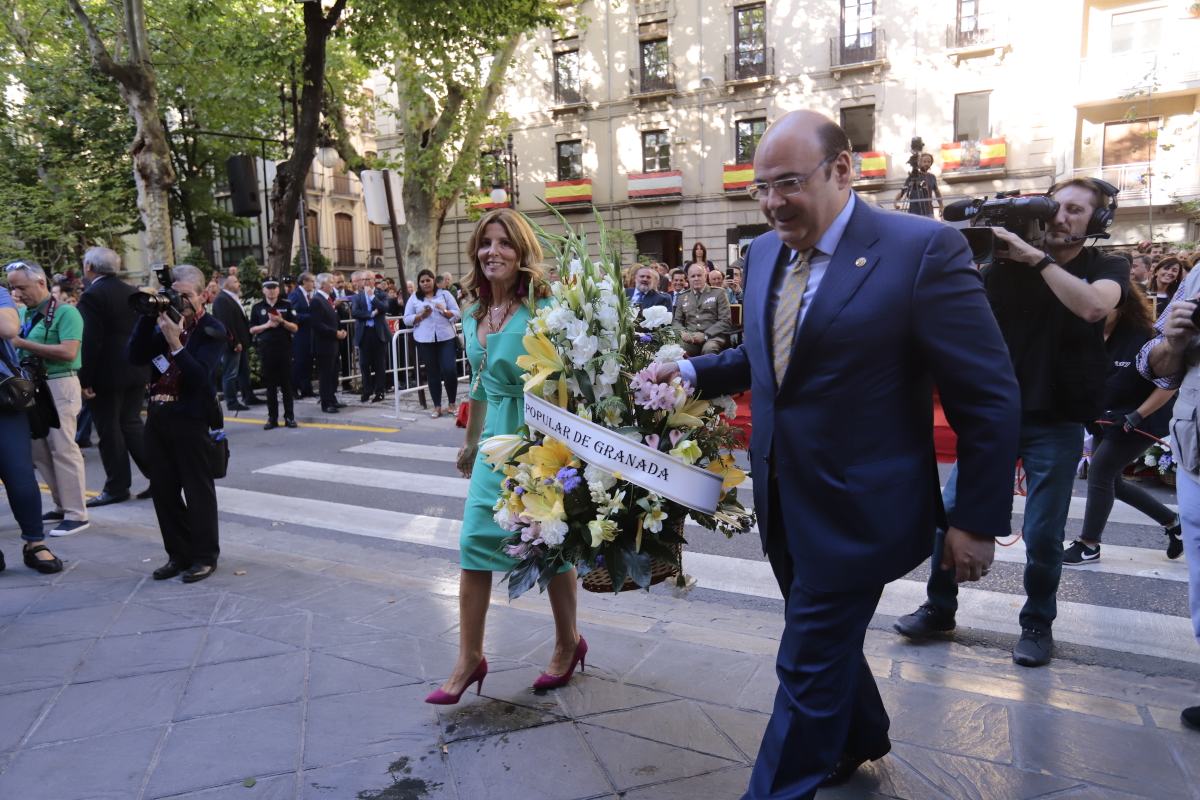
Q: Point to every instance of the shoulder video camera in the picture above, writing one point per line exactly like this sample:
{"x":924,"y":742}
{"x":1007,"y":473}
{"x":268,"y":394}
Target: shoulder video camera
{"x":1026,"y":216}
{"x":165,"y":300}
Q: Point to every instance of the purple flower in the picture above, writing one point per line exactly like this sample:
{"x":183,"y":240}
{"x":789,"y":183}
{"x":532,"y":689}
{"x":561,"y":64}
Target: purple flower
{"x":520,"y":490}
{"x":645,"y":338}
{"x":569,"y":478}
{"x":650,"y":394}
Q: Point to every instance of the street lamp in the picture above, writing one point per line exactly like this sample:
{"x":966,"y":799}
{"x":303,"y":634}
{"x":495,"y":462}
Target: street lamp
{"x":504,"y":175}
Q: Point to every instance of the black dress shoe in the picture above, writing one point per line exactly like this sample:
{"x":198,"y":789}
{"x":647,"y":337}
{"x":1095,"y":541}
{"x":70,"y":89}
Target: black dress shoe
{"x":236,"y":407}
{"x":848,"y":764}
{"x":167,"y":570}
{"x":291,"y":423}
{"x":363,"y":398}
{"x":198,"y":572}
{"x":271,"y":425}
{"x":106,"y":499}
{"x":1190,"y":717}
{"x":340,"y":404}
{"x":378,"y":398}
{"x":145,"y":494}
{"x":330,"y":409}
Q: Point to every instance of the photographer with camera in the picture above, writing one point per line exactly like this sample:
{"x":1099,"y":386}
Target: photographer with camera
{"x":1051,"y":303}
{"x":16,"y":454}
{"x":921,"y":186}
{"x":182,"y":344}
{"x":49,"y":344}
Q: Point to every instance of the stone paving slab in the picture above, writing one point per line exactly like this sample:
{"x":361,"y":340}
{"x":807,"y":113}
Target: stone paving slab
{"x":304,"y":678}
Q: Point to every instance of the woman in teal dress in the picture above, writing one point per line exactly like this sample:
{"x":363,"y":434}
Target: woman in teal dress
{"x":507,"y":279}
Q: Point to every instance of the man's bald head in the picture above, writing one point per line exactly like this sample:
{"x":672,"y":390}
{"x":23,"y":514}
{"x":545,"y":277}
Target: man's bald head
{"x":811,"y":148}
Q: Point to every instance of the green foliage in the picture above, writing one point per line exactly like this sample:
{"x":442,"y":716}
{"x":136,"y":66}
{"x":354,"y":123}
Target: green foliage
{"x":318,"y":262}
{"x":250,"y":275}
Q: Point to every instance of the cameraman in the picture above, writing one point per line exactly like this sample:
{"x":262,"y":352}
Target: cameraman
{"x":1051,"y":307}
{"x":921,"y":187}
{"x":51,"y":333}
{"x":182,"y":355}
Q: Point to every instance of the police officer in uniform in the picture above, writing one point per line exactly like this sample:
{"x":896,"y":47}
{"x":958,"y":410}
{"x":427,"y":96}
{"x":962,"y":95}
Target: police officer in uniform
{"x":702,"y":314}
{"x":272,"y":324}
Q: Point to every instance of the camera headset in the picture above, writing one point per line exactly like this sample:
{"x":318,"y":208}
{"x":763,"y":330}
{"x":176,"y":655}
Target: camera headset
{"x":1102,"y":218}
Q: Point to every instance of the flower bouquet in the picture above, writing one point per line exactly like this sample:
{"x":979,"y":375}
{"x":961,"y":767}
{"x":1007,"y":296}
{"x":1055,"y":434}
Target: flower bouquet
{"x":1159,"y":457}
{"x":576,"y":476}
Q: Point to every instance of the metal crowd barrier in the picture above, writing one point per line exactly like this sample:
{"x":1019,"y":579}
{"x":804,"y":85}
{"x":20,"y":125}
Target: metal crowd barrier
{"x":405,"y":366}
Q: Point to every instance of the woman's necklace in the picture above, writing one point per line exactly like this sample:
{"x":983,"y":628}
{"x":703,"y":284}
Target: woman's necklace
{"x":507,"y":310}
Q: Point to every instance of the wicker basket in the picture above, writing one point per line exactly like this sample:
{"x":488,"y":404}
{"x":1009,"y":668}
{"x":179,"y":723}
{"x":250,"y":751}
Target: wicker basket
{"x":599,"y":580}
{"x":1168,"y":478}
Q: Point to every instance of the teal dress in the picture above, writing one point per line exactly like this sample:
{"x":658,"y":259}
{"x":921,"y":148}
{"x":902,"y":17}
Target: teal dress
{"x":500,"y":384}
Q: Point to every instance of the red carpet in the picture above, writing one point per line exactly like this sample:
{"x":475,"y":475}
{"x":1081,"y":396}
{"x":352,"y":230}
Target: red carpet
{"x":944,"y":440}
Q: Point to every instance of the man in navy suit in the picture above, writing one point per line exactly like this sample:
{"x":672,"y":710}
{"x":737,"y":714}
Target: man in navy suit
{"x":326,"y":333}
{"x":369,"y":308}
{"x":302,"y":342}
{"x":644,"y":293}
{"x":853,"y":315}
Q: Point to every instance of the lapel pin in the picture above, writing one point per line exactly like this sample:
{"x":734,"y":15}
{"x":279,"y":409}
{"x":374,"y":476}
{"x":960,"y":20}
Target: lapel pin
{"x":860,"y":262}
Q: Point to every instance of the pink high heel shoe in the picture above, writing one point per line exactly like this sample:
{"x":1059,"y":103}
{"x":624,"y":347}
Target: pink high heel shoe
{"x":548,"y":681}
{"x":439,"y":697}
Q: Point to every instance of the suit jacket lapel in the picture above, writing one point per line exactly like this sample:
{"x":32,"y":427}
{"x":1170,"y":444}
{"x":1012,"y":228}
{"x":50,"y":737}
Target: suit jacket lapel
{"x":760,"y":277}
{"x":843,"y":276}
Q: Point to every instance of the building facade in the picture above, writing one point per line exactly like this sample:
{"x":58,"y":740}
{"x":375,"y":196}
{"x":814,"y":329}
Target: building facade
{"x":649,"y":111}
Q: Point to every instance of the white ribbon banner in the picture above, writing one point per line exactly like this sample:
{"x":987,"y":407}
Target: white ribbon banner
{"x":643,"y":466}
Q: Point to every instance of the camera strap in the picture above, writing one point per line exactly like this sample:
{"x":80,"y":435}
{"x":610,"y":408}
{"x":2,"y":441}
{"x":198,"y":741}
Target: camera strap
{"x":47,"y":318}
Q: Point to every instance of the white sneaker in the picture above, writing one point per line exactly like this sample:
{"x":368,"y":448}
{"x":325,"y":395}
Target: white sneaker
{"x":70,"y":526}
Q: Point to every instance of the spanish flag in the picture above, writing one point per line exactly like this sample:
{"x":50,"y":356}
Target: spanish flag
{"x":992,"y":152}
{"x":951,"y":156}
{"x":873,"y":165}
{"x":562,"y":192}
{"x":738,"y":176}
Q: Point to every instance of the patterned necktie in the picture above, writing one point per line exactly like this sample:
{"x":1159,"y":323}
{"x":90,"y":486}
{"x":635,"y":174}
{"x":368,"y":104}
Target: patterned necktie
{"x":787,"y":311}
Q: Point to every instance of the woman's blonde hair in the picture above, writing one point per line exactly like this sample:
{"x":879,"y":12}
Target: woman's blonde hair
{"x":531,"y":282}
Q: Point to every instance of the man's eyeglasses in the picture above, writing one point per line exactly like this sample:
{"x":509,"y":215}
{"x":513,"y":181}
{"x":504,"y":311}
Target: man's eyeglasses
{"x":786,"y":186}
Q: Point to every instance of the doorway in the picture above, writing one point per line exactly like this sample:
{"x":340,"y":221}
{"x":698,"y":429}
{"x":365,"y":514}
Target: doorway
{"x":662,"y":245}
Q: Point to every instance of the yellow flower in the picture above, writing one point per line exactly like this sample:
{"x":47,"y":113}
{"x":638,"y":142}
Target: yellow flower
{"x":602,"y":530}
{"x":688,"y":415}
{"x":546,"y":459}
{"x":731,"y":476}
{"x":541,"y":360}
{"x":688,"y":450}
{"x":544,"y":506}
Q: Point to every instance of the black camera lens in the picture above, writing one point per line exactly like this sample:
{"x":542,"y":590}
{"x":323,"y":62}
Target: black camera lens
{"x":149,"y":305}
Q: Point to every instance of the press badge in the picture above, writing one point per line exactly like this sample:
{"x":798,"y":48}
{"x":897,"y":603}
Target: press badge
{"x":161,"y":363}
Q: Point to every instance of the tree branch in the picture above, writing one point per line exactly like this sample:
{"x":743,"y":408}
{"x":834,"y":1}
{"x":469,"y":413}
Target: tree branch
{"x":101,"y":58}
{"x":331,"y":19}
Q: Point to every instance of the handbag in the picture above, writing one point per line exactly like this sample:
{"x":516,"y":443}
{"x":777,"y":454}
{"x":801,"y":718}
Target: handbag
{"x":17,"y":393}
{"x":217,"y":453}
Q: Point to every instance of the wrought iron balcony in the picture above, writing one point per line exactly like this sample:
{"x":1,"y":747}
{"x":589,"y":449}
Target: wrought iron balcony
{"x":749,"y":66}
{"x":342,"y":185}
{"x":651,"y":83}
{"x":567,"y":96}
{"x":857,"y":49}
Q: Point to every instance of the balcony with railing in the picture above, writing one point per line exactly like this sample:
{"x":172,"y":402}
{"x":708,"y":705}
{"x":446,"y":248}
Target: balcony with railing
{"x":1149,"y":183}
{"x":312,"y":183}
{"x":569,"y":97}
{"x":749,"y":67}
{"x":1113,"y":77}
{"x":977,"y":35}
{"x":344,"y":186}
{"x":974,"y":159}
{"x":866,"y":50}
{"x":648,"y":84}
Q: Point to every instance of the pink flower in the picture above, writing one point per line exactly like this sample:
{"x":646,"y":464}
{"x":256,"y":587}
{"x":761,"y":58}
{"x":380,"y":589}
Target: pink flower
{"x":652,"y":440}
{"x":675,"y":436}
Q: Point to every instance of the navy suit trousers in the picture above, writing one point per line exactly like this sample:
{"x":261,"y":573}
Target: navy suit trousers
{"x":827,"y":703}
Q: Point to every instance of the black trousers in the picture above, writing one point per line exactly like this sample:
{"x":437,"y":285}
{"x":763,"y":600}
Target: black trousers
{"x":440,"y":369}
{"x":185,"y":498}
{"x":302,"y":361}
{"x":275,"y":368}
{"x":327,"y":376}
{"x":827,"y":703}
{"x":117,"y":415}
{"x":372,"y":363}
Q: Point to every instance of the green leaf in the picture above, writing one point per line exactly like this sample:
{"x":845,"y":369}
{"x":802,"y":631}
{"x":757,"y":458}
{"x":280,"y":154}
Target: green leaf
{"x":637,"y":565}
{"x":614,"y":560}
{"x":250,"y":783}
{"x":585,"y":385}
{"x":522,"y":578}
